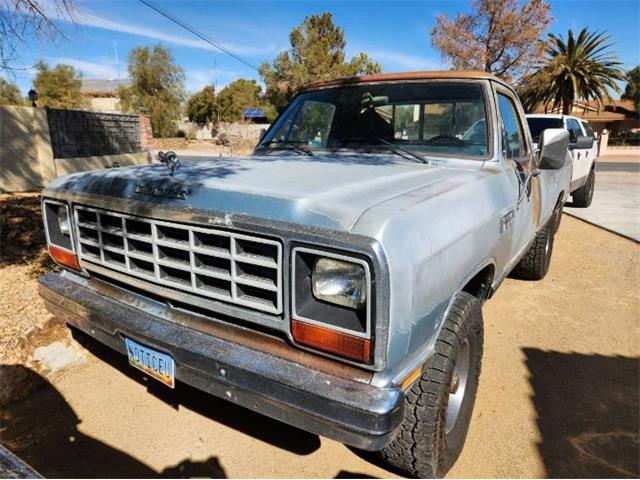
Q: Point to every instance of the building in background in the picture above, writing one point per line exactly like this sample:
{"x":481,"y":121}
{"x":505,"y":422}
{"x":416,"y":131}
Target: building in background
{"x":619,"y":116}
{"x":101,"y":94}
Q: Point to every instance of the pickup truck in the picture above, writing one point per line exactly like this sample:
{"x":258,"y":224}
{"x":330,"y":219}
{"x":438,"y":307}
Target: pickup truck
{"x":334,"y":279}
{"x":583,"y":148}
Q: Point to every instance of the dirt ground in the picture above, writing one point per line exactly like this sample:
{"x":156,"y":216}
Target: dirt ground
{"x":558,"y":397}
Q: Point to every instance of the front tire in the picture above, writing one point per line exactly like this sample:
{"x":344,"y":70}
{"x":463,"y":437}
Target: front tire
{"x":583,"y":196}
{"x":438,"y":406}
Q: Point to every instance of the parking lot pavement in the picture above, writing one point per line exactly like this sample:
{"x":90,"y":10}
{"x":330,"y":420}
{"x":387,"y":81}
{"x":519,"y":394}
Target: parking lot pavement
{"x":558,"y":394}
{"x":616,"y":200}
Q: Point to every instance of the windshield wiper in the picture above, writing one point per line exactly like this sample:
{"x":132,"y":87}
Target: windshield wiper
{"x":292,"y":145}
{"x":394,"y":147}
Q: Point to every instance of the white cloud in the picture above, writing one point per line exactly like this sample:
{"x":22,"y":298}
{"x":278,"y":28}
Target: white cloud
{"x":197,"y":79}
{"x":185,"y":38}
{"x":106,"y":69}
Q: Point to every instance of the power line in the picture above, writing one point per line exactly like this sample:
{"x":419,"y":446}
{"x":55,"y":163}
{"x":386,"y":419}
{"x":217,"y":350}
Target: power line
{"x":202,"y":36}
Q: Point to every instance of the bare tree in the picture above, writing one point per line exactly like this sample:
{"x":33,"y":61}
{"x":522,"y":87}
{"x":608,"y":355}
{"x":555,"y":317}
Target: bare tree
{"x":24,"y":19}
{"x":499,"y":36}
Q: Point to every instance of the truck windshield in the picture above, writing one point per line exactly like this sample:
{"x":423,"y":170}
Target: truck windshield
{"x":538,"y":124}
{"x":431,"y":118}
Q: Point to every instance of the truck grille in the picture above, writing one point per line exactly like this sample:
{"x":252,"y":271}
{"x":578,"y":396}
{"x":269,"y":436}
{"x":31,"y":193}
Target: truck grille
{"x":231,"y":267}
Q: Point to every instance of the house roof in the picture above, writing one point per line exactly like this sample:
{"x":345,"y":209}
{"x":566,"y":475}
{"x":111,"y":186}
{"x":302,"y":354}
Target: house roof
{"x":628,"y":105}
{"x":400,"y":76}
{"x":102,"y":87}
{"x":592,"y":110}
{"x":602,"y":116}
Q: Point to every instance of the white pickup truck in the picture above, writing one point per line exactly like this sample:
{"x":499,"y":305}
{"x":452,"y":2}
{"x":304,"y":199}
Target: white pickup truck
{"x":582,"y":146}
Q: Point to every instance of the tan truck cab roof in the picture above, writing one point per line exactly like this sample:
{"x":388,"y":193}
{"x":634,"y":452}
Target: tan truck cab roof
{"x":404,"y":76}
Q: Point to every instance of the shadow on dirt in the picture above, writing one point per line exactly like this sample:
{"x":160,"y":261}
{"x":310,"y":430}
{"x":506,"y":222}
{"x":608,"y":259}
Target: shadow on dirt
{"x":236,"y":417}
{"x":22,"y":238}
{"x":588,"y":413}
{"x":346,"y":474}
{"x":42,"y":430}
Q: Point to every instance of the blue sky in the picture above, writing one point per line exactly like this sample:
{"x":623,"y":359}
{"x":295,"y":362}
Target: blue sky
{"x":394,"y":33}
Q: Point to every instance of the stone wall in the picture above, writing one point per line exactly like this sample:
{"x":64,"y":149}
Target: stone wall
{"x":244,"y":131}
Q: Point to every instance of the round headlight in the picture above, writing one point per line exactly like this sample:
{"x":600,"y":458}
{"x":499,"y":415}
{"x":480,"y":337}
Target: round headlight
{"x":342,"y":283}
{"x":64,"y":224}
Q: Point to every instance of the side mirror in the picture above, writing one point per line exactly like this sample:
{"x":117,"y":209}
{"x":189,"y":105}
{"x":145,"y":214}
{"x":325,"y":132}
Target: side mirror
{"x":582,"y":142}
{"x":553,"y":144}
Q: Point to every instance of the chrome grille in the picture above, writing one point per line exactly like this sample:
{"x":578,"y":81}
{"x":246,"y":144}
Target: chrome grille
{"x":228,"y":266}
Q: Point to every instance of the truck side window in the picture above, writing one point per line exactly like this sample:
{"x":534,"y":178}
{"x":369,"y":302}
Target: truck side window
{"x":588,"y":129}
{"x":512,"y":135}
{"x":574,"y":129}
{"x":312,"y":123}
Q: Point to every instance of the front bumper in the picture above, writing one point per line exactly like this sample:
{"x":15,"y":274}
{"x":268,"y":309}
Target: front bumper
{"x":345,"y":409}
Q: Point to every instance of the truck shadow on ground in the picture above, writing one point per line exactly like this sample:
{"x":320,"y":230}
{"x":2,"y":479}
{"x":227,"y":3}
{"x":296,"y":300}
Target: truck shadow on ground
{"x":588,"y":413}
{"x":221,"y":411}
{"x":42,"y":430}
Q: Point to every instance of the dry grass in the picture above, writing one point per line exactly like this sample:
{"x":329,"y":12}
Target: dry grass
{"x":22,"y":238}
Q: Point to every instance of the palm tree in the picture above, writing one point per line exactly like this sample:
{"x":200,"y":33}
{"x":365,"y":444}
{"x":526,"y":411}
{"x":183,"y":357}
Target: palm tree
{"x":581,"y":67}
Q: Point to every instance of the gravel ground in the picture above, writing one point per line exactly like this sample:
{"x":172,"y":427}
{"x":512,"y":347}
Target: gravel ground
{"x":558,"y":394}
{"x":25,"y":325}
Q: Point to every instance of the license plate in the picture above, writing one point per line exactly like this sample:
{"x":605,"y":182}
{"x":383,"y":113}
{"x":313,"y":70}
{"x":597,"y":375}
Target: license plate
{"x":155,"y":364}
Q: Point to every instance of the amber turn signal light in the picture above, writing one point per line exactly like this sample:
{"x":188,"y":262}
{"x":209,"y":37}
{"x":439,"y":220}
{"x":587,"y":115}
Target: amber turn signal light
{"x":64,"y":257}
{"x":327,"y":340}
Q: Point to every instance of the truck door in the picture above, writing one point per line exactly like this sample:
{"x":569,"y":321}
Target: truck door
{"x":581,"y":160}
{"x":520,"y":168}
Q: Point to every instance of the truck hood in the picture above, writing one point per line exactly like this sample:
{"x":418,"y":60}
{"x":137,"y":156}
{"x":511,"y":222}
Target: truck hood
{"x":325,"y":190}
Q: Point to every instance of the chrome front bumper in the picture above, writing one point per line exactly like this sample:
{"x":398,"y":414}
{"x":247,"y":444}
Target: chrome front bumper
{"x":324,"y":401}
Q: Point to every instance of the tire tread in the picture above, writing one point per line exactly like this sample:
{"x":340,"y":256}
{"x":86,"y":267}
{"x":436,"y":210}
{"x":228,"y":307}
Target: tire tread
{"x":419,"y":448}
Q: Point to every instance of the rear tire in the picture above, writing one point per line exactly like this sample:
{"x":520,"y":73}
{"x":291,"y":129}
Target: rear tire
{"x":583,"y":196}
{"x":438,"y":406}
{"x":535,"y":263}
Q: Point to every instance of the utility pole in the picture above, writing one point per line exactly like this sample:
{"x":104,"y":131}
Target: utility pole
{"x":115,"y":55}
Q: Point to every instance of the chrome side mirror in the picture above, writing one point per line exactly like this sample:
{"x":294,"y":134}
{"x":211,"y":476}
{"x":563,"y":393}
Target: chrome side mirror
{"x":553,"y":146}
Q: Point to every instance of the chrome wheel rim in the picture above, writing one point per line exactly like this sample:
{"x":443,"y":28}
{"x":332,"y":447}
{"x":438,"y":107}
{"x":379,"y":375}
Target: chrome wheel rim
{"x":458,"y":386}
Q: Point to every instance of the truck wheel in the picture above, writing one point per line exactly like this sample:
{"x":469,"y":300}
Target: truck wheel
{"x":438,"y":406}
{"x":535,"y":263}
{"x":583,"y":196}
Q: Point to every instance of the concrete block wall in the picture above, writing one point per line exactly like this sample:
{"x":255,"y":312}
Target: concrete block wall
{"x":26,"y":158}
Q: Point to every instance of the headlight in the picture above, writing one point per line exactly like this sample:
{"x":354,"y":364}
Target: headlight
{"x":63,"y":220}
{"x":57,"y":223}
{"x":339,"y":282}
